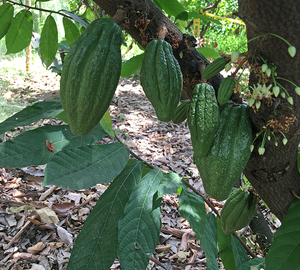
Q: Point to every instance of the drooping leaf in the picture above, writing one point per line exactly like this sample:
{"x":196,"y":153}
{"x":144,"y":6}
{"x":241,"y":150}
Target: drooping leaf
{"x":6,"y":15}
{"x":242,"y":261}
{"x":49,"y":41}
{"x":171,"y":7}
{"x":170,"y":183}
{"x":225,"y":248}
{"x":85,"y":166}
{"x":208,"y":52}
{"x":96,"y":245}
{"x":132,"y":65}
{"x":192,"y":208}
{"x":284,"y":252}
{"x":71,"y":31}
{"x":106,"y":123}
{"x":33,"y":113}
{"x":140,"y":227}
{"x":208,"y":242}
{"x":19,"y":33}
{"x":29,"y":148}
{"x":77,"y":18}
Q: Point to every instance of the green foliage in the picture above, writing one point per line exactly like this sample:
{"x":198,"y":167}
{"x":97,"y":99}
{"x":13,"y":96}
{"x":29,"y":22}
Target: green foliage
{"x":6,"y":15}
{"x":71,"y":31}
{"x":192,"y":208}
{"x":91,"y":250}
{"x":284,"y":252}
{"x":49,"y":41}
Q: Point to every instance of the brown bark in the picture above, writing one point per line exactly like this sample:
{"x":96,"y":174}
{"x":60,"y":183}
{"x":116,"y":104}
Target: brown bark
{"x":274,"y":175}
{"x":144,"y":21}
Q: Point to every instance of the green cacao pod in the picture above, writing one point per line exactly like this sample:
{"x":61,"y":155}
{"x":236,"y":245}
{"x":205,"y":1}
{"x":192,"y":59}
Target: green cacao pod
{"x":225,"y":90}
{"x":237,"y":211}
{"x":203,"y":118}
{"x":90,"y":75}
{"x":229,"y":153}
{"x":214,"y":68}
{"x":161,"y":79}
{"x":181,"y":112}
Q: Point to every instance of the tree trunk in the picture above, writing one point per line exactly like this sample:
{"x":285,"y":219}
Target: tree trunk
{"x":274,"y":175}
{"x":143,"y":21}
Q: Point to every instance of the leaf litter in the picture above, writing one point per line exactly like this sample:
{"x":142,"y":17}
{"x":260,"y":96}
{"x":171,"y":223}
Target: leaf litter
{"x":39,"y":234}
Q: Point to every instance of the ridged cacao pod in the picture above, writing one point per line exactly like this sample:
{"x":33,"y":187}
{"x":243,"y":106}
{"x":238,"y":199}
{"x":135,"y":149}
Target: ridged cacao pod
{"x":161,"y":79}
{"x":203,"y":118}
{"x":214,"y":68}
{"x":237,"y":211}
{"x":225,"y":90}
{"x":90,"y":75}
{"x":229,"y":152}
{"x":181,"y":112}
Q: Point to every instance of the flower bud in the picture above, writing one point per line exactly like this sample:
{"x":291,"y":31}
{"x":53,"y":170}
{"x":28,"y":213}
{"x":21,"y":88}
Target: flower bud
{"x":276,"y":91}
{"x":228,"y":67}
{"x":297,"y":90}
{"x":282,"y":94}
{"x":251,"y":147}
{"x":251,"y":101}
{"x":292,"y":51}
{"x":268,"y":72}
{"x":284,"y":141}
{"x":264,"y":67}
{"x":235,"y":55}
{"x":261,"y":150}
{"x":257,"y":104}
{"x":290,"y":100}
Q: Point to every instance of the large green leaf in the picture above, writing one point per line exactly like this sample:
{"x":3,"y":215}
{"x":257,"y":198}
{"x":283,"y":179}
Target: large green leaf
{"x":30,"y":114}
{"x":96,"y":245}
{"x":49,"y":41}
{"x":242,"y":261}
{"x":171,"y":7}
{"x":71,"y":31}
{"x":225,"y":248}
{"x":6,"y":15}
{"x":29,"y":148}
{"x":132,"y":65}
{"x":170,"y":183}
{"x":208,"y":242}
{"x":208,"y":52}
{"x":86,"y":166}
{"x":140,"y":227}
{"x":192,"y":208}
{"x":285,"y":251}
{"x":19,"y":33}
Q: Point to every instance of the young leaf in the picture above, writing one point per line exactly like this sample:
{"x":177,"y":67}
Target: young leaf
{"x":33,"y":113}
{"x":77,"y":18}
{"x":19,"y":33}
{"x":106,"y":123}
{"x":49,"y":41}
{"x":225,"y":248}
{"x":30,"y":149}
{"x":208,"y":52}
{"x":192,"y":208}
{"x":132,"y":65}
{"x":91,"y":249}
{"x":284,"y":252}
{"x":86,"y":166}
{"x":171,"y":7}
{"x":139,"y":229}
{"x":71,"y":31}
{"x":208,"y":242}
{"x":170,"y":183}
{"x":6,"y":15}
{"x":242,"y":261}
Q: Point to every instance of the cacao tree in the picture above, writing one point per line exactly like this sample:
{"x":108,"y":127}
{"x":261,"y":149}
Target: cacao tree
{"x":271,"y":168}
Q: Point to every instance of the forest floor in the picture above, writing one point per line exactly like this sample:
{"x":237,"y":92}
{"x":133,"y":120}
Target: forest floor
{"x":27,"y":243}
